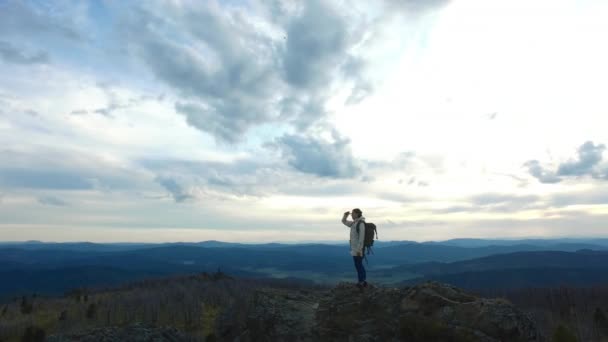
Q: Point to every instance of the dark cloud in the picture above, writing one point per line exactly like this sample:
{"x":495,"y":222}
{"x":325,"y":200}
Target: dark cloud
{"x":313,"y":155}
{"x":538,"y":172}
{"x":316,"y":41}
{"x":589,"y":155}
{"x":223,"y":124}
{"x":43,"y":179}
{"x":587,"y":163}
{"x":12,"y":54}
{"x":233,"y":75}
{"x":51,"y":200}
{"x":223,"y":100}
{"x":176,"y":190}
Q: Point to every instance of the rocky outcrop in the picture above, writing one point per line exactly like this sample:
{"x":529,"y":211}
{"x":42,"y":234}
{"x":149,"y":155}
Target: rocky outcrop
{"x":426,"y":312}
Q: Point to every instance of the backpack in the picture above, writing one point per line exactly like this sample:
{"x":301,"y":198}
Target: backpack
{"x":368,"y":241}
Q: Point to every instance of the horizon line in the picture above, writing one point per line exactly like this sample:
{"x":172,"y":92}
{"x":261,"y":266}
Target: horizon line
{"x":316,"y":241}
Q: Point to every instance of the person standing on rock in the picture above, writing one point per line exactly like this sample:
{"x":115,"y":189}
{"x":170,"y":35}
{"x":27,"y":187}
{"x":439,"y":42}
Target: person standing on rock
{"x":356,"y":242}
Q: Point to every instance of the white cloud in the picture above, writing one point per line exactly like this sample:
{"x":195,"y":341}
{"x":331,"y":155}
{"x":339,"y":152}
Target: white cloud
{"x":269,"y":119}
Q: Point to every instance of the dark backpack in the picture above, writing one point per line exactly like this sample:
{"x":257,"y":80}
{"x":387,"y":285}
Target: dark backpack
{"x":368,"y":241}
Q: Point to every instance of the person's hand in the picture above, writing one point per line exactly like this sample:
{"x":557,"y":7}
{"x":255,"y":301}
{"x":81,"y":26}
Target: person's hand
{"x":347,"y":213}
{"x":359,"y":253}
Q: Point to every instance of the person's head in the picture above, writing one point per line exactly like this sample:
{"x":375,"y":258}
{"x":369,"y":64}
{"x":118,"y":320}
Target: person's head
{"x":356,"y":213}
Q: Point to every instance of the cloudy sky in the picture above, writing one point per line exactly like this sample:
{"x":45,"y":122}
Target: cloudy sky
{"x":265,"y":120}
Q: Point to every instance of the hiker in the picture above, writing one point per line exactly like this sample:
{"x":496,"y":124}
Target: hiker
{"x":356,"y":242}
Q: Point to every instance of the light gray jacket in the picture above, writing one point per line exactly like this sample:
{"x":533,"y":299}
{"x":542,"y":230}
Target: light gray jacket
{"x":356,"y":240}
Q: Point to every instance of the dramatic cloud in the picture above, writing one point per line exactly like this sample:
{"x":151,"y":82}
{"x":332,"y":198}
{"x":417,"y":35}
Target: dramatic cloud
{"x":317,"y":40}
{"x":313,"y":155}
{"x":538,"y":172}
{"x":588,"y":163}
{"x":294,"y":111}
{"x":236,"y":72}
{"x":222,"y":125}
{"x":589,"y":156}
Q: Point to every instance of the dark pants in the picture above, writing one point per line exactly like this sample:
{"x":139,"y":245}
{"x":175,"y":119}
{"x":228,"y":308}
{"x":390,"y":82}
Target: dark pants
{"x":360,"y":269}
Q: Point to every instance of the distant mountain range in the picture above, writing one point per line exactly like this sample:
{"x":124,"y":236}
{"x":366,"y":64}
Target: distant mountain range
{"x":592,"y":243}
{"x":517,"y":270}
{"x":56,"y":267}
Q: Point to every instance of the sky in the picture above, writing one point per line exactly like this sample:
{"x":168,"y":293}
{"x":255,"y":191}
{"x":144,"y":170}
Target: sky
{"x":264,"y":121}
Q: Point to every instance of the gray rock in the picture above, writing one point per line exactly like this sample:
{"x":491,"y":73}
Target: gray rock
{"x":426,"y":312}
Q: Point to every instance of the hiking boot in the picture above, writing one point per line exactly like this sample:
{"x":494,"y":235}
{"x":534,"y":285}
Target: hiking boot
{"x":364,"y":283}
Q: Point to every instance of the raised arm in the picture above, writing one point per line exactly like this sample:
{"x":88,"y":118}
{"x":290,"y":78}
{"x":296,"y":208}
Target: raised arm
{"x":345,"y":221}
